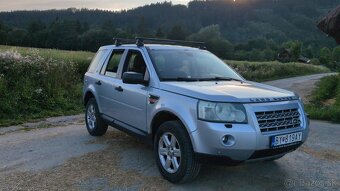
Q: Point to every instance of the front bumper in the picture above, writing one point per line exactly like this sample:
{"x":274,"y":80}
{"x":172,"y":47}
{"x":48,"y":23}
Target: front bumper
{"x":247,"y":140}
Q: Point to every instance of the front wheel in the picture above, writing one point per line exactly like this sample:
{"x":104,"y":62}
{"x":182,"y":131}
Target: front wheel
{"x":174,"y":154}
{"x":95,"y":125}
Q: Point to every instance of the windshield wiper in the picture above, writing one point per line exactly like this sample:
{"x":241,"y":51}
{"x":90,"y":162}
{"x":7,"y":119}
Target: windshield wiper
{"x":220,"y":79}
{"x":181,"y":79}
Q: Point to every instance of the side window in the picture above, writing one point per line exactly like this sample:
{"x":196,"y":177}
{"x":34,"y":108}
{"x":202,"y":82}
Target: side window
{"x":135,"y":62}
{"x":112,"y":65}
{"x":95,"y":61}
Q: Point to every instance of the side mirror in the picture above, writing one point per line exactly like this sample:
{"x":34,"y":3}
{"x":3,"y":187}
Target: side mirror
{"x":134,"y":78}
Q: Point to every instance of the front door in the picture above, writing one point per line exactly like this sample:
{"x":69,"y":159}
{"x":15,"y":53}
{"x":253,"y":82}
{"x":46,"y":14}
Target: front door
{"x":132,"y":98}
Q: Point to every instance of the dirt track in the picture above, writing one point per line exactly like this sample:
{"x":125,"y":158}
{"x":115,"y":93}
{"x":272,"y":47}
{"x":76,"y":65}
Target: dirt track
{"x":65,"y":157}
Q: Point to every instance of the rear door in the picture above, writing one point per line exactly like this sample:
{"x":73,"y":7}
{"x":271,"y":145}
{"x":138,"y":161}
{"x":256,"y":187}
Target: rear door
{"x":109,"y":80}
{"x":92,"y":75}
{"x":132,"y":98}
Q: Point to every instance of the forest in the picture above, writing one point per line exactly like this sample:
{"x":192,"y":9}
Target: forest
{"x":256,"y":30}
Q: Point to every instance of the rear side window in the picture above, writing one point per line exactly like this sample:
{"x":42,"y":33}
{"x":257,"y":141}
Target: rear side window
{"x":112,"y":65}
{"x":96,"y":60}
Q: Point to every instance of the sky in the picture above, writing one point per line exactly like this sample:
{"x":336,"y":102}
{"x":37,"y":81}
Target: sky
{"x":11,"y":5}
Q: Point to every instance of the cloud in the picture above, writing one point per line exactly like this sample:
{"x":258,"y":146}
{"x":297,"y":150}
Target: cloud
{"x":8,"y":5}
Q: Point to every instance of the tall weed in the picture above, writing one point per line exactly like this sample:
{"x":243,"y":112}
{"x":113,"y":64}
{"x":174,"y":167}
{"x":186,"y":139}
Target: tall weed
{"x":32,"y":84}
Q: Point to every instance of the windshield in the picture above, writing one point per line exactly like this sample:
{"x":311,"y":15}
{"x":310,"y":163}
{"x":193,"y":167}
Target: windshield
{"x":191,"y":65}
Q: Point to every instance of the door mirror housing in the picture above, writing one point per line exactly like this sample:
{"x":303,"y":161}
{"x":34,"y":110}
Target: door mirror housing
{"x":134,"y":78}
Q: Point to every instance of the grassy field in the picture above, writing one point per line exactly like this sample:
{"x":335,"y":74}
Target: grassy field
{"x":37,"y":83}
{"x":325,"y":103}
{"x":81,"y":59}
{"x":265,"y":71}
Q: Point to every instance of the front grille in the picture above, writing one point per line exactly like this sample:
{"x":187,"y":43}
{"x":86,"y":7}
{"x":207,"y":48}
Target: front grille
{"x":278,"y":120}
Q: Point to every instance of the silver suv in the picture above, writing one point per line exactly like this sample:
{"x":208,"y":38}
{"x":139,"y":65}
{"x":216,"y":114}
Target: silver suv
{"x":190,"y":105}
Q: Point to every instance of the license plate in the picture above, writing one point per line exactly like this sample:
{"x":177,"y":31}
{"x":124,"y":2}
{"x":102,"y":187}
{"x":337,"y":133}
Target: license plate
{"x":285,"y":140}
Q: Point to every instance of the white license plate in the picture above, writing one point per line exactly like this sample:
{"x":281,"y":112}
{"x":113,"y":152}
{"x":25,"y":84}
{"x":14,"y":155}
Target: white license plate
{"x":285,"y":140}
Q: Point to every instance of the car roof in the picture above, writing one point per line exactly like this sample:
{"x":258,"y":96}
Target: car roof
{"x":151,"y":47}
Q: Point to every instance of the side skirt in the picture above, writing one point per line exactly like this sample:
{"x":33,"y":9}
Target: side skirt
{"x":133,"y":131}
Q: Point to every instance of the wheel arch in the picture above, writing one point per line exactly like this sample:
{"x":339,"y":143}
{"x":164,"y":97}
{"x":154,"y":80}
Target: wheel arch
{"x":164,"y":116}
{"x":88,"y":95}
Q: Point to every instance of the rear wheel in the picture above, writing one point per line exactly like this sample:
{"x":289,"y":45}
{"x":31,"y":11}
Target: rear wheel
{"x":95,"y":125}
{"x":174,"y":154}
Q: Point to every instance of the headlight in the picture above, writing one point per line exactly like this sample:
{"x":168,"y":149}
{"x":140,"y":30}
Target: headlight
{"x":300,"y":100}
{"x":222,"y":112}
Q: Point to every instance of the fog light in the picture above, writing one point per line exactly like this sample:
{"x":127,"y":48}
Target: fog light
{"x":225,"y":139}
{"x":228,"y":140}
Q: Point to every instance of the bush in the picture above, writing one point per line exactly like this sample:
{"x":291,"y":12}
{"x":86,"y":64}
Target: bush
{"x":329,"y":113}
{"x":315,"y":61}
{"x":328,"y":88}
{"x":32,"y":85}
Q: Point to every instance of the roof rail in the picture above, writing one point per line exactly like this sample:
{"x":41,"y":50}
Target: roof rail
{"x":140,"y":42}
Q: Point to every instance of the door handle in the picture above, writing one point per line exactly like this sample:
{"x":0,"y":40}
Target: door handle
{"x":119,"y":88}
{"x":99,"y":82}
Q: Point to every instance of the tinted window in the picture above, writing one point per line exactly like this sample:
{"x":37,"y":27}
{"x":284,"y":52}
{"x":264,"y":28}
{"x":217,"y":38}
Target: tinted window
{"x":112,"y":65}
{"x":95,"y":61}
{"x":135,"y":63}
{"x":190,"y":64}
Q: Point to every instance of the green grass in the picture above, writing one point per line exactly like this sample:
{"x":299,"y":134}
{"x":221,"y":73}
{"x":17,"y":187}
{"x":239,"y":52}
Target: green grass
{"x":37,"y":83}
{"x":265,"y":71}
{"x":325,"y":103}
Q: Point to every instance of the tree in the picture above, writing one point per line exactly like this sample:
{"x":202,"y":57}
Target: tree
{"x":336,"y":57}
{"x":294,"y":49}
{"x":269,"y":55}
{"x":308,"y":52}
{"x":159,"y":33}
{"x":3,"y":34}
{"x":336,"y":54}
{"x":177,"y":33}
{"x":35,"y":26}
{"x":215,"y":42}
{"x":141,"y":27}
{"x":93,"y":39}
{"x":35,"y":35}
{"x":63,"y":34}
{"x":16,"y":36}
{"x":325,"y":56}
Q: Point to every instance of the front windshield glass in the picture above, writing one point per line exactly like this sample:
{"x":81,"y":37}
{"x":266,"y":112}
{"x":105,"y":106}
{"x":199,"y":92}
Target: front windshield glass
{"x":191,"y":65}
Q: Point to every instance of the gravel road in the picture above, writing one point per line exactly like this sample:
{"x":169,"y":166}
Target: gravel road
{"x":58,"y":154}
{"x":303,"y":85}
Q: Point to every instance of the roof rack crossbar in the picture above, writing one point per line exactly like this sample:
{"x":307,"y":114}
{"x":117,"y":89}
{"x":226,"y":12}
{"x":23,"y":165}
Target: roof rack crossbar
{"x":119,"y":41}
{"x":140,"y":42}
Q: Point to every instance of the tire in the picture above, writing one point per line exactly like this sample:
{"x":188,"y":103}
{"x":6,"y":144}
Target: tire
{"x":95,"y":125}
{"x":177,"y":153}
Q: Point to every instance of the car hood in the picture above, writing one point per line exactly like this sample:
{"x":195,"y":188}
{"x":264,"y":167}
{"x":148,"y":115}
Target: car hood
{"x":229,"y":91}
